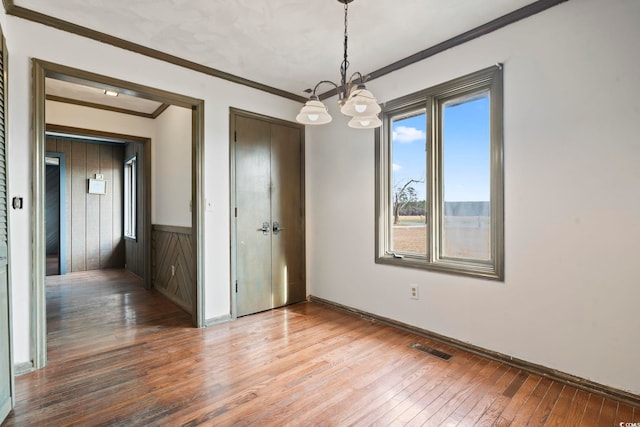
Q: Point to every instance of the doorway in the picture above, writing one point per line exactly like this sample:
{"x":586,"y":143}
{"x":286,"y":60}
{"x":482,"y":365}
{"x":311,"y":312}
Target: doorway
{"x":84,"y":202}
{"x":267,"y":178}
{"x":43,"y":70}
{"x":55,"y":213}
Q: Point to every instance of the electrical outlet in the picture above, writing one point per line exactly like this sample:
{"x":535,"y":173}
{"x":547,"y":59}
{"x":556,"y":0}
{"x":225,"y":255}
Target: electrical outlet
{"x":414,"y":292}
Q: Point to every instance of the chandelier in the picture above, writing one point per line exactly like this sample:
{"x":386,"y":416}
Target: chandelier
{"x":353,"y":97}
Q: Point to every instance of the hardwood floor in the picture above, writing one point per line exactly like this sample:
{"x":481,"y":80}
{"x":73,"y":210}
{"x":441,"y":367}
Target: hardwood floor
{"x":120,"y":355}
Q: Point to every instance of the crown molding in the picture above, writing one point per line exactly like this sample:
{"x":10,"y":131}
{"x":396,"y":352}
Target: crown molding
{"x":489,"y":27}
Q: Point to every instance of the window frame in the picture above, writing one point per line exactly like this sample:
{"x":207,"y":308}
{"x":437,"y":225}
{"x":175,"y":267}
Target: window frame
{"x":130,"y":196}
{"x":430,"y":100}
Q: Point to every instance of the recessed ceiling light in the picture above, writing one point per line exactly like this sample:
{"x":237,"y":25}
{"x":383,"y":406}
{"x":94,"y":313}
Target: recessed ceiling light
{"x":109,"y":92}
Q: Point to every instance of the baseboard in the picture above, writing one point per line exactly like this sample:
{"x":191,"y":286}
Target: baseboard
{"x":22,"y":368}
{"x":217,"y":320}
{"x":555,"y":375}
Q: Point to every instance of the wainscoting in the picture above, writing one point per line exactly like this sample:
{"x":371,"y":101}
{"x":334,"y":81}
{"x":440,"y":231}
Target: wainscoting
{"x":173,"y":264}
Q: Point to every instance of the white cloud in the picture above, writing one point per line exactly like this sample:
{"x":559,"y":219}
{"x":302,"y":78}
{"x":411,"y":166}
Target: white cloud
{"x":396,"y":167}
{"x":407,"y":134}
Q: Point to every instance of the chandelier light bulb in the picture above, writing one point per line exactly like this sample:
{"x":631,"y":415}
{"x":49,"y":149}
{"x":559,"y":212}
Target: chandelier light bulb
{"x":368,"y":122}
{"x":314,"y":112}
{"x":361,"y":103}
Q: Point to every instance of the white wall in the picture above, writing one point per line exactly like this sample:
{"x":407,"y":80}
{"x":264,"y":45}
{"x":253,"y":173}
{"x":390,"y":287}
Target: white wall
{"x":27,"y":40}
{"x":572,"y":169}
{"x":171,"y":171}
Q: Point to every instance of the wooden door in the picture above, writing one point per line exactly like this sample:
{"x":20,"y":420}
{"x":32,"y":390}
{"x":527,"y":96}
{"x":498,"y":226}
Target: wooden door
{"x":6,"y":380}
{"x":253,"y":219}
{"x":287,"y":225}
{"x":269,"y":215}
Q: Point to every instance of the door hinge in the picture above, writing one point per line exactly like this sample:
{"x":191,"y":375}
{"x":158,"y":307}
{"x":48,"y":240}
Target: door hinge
{"x":235,"y":136}
{"x":236,"y":286}
{"x":236,"y":213}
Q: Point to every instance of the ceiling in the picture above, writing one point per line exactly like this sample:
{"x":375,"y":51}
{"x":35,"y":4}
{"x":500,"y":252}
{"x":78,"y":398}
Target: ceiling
{"x":74,"y":93}
{"x":285,"y":44}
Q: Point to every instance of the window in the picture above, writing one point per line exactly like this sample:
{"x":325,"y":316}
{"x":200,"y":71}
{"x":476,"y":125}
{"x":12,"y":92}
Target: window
{"x":439,"y":178}
{"x":130,"y":205}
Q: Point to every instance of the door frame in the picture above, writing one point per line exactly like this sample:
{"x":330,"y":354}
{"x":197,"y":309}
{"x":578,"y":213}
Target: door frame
{"x":233,"y":113}
{"x":62,"y":245}
{"x":42,"y":69}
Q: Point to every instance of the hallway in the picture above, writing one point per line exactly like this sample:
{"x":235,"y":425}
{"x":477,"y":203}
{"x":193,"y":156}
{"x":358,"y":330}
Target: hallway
{"x":96,"y":311}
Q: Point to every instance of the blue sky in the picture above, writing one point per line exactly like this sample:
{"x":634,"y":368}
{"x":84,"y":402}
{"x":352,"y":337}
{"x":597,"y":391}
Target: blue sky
{"x":466,"y":151}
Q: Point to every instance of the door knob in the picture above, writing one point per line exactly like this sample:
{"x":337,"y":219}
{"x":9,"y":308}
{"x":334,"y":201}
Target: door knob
{"x":276,"y":227}
{"x":265,"y":228}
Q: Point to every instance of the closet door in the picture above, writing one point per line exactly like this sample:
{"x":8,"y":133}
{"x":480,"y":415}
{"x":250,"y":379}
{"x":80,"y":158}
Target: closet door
{"x":269,"y":215}
{"x":287,"y":246}
{"x":253,"y":220}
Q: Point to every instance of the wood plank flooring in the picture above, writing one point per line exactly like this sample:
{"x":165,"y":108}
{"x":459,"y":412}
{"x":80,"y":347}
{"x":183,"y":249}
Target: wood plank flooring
{"x":123,"y":356}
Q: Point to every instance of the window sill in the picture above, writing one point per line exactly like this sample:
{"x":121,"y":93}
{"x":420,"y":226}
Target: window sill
{"x":461,"y":268}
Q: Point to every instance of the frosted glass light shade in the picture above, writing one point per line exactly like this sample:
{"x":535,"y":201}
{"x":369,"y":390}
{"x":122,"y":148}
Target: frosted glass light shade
{"x":313,"y":112}
{"x":361,"y":103}
{"x":368,"y":122}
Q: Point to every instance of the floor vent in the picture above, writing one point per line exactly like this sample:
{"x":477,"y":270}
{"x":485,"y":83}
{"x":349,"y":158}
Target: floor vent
{"x":432,"y":351}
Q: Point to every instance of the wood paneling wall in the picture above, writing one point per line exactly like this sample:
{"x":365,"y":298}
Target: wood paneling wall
{"x":94,"y":222}
{"x":173,"y":247}
{"x":136,"y":250}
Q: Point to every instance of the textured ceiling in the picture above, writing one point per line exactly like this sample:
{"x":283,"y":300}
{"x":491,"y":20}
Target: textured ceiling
{"x":286,"y":44}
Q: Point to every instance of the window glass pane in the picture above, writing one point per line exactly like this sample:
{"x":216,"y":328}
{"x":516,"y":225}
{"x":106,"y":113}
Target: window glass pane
{"x":127,"y":198}
{"x":132,"y":202}
{"x":407,"y":214}
{"x":466,"y":150}
{"x":130,"y":198}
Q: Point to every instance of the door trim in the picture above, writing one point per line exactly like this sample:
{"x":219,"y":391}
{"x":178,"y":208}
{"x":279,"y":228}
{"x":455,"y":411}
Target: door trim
{"x":41,"y":70}
{"x":62,"y":246}
{"x":233,"y":113}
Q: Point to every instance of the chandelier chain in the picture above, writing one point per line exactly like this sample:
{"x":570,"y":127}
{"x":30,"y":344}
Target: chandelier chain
{"x":359,"y":104}
{"x":345,"y":62}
